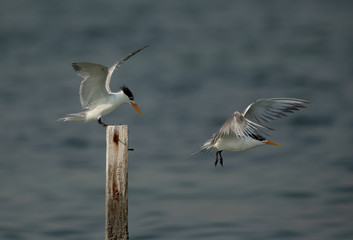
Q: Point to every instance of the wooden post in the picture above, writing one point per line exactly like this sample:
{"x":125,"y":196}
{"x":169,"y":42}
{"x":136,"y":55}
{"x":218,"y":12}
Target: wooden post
{"x":116,"y":202}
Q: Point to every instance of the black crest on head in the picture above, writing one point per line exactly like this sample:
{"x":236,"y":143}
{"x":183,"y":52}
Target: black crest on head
{"x":127,"y":92}
{"x":76,"y":67}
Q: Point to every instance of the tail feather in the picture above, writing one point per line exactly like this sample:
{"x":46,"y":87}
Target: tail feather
{"x":207,"y":146}
{"x":74,"y":117}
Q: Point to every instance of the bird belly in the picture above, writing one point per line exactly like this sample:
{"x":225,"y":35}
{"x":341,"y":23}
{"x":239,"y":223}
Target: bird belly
{"x":233,"y":143}
{"x":99,"y":111}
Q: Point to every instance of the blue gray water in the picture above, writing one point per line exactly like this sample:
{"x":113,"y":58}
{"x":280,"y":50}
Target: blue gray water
{"x":205,"y":60}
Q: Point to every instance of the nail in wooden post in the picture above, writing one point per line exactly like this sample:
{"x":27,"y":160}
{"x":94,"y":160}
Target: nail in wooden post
{"x":116,"y":202}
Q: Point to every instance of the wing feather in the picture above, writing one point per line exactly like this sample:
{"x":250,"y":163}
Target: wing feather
{"x":238,"y":126}
{"x":92,"y":87}
{"x":265,"y":110}
{"x":96,"y":79}
{"x":117,"y":64}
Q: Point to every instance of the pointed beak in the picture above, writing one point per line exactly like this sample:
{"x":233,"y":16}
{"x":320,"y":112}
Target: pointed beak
{"x":272,"y":143}
{"x":136,"y":107}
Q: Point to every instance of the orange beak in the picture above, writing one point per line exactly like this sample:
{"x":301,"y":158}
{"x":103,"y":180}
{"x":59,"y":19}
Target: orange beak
{"x":273,"y":143}
{"x":136,"y":108}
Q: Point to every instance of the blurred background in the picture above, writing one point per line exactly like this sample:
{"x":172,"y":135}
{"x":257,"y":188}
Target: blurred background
{"x":205,"y":60}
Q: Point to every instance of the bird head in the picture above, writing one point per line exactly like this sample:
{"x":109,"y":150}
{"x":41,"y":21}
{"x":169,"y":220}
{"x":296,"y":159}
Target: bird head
{"x":129,"y":94}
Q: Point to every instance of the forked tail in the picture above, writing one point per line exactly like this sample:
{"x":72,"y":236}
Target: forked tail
{"x":74,"y":117}
{"x":207,"y":146}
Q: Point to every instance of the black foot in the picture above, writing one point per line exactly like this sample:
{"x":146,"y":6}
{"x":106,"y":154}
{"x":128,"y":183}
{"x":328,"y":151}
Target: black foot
{"x":220,"y":158}
{"x":102,"y":123}
{"x":221,"y":161}
{"x":131,"y":149}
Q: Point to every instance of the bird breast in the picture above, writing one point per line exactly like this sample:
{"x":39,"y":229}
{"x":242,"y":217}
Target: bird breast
{"x":233,"y":143}
{"x":105,"y":106}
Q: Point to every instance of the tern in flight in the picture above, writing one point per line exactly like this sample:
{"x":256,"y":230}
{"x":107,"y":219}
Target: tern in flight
{"x":96,"y":98}
{"x":242,"y":130}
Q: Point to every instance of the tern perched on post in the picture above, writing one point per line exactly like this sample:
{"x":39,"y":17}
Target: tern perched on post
{"x":242,"y":130}
{"x":96,"y":97}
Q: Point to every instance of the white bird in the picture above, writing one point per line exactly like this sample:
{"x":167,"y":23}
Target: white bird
{"x":95,"y":95}
{"x":242,"y":130}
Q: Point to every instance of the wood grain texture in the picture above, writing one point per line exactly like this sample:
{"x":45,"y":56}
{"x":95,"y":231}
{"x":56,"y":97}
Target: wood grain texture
{"x":116,"y":212}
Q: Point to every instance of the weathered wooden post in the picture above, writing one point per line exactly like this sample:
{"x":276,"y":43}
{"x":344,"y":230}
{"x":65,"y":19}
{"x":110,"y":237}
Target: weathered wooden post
{"x":116,"y":202}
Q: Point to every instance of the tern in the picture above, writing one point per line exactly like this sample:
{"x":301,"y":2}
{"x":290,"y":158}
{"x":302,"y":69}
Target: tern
{"x":242,"y":131}
{"x":96,"y":98}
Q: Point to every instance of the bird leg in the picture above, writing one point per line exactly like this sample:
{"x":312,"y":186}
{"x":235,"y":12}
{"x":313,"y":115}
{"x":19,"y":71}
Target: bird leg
{"x":220,"y":158}
{"x":102,"y":123}
{"x":215,"y":164}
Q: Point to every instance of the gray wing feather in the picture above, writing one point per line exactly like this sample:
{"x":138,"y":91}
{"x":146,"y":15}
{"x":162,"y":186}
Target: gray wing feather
{"x":247,"y":124}
{"x":238,"y":126}
{"x":265,"y":110}
{"x":95,"y":84}
{"x":117,"y":64}
{"x":92,"y":86}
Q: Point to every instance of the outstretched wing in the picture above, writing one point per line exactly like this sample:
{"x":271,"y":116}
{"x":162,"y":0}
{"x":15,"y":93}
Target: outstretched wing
{"x":265,"y":110}
{"x":93,"y":84}
{"x":117,"y":64}
{"x":240,"y":127}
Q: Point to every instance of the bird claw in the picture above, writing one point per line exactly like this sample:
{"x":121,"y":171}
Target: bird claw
{"x":220,"y":158}
{"x":102,"y":123}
